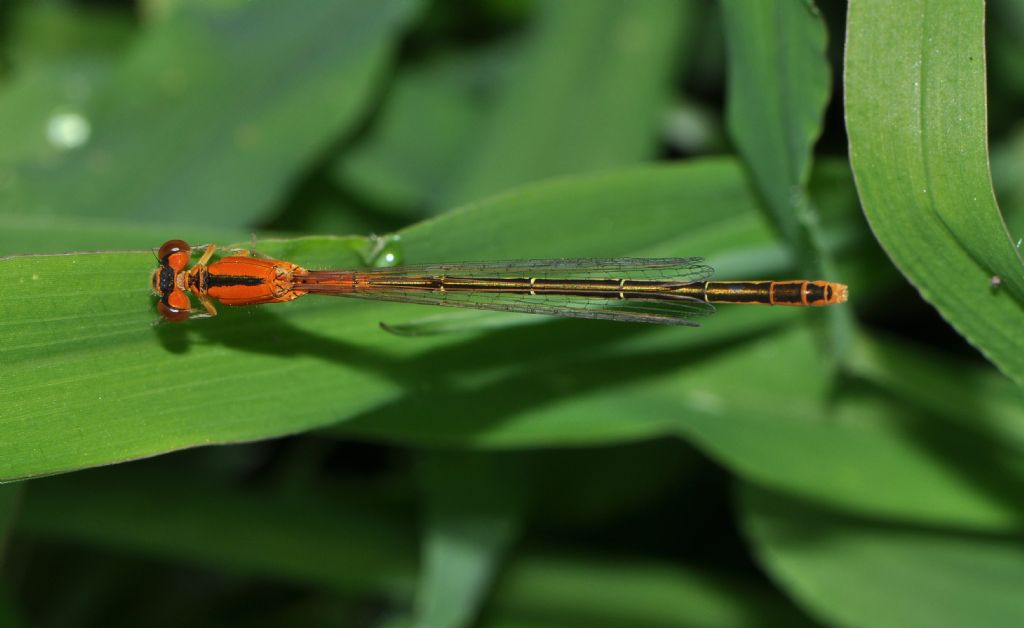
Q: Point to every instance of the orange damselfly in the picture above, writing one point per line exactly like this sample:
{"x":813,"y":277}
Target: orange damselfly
{"x":669,"y":291}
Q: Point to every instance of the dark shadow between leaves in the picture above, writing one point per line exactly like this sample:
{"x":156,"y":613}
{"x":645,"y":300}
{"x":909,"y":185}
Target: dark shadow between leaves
{"x":968,"y":445}
{"x":974,"y":452}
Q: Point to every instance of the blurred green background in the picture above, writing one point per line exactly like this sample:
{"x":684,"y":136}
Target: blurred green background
{"x":860,"y":465}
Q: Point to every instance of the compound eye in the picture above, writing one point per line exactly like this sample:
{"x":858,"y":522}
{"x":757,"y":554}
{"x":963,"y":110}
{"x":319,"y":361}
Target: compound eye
{"x":177,"y":308}
{"x":176,"y":254}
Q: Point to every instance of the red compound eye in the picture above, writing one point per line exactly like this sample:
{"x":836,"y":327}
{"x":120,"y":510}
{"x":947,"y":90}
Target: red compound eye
{"x":177,"y":307}
{"x":176,"y":254}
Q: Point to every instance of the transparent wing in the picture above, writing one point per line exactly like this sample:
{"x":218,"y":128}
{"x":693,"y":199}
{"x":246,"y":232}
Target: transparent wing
{"x":675,"y":311}
{"x":678,"y":311}
{"x":599,"y":302}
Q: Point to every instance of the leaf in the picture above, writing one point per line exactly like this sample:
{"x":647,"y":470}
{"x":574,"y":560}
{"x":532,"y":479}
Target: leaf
{"x":863,"y":451}
{"x":915,"y":112}
{"x":475,"y":504}
{"x":505,"y":114}
{"x":60,"y":57}
{"x":23,"y":234}
{"x":851,"y":571}
{"x":345,"y":541}
{"x":560,"y":217}
{"x":217,"y":111}
{"x":779,"y":86}
{"x":80,"y":358}
{"x":637,"y":592}
{"x":407,"y":165}
{"x":589,"y":93}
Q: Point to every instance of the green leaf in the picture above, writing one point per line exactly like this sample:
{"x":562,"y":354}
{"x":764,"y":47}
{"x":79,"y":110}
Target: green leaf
{"x":25,"y":234}
{"x":856,"y":572}
{"x":474,"y":508}
{"x":345,"y":541}
{"x":60,"y":57}
{"x":407,"y":165}
{"x":217,"y":111}
{"x":779,"y":86}
{"x":589,"y":93}
{"x":81,"y":359}
{"x":915,"y":112}
{"x":863,"y":451}
{"x":602,"y":592}
{"x":505,"y":113}
{"x":560,"y":218}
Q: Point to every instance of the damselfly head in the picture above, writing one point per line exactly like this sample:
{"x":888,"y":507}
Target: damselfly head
{"x":168,"y":282}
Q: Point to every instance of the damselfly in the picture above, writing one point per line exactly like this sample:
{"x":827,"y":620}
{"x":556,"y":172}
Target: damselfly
{"x":668,"y":291}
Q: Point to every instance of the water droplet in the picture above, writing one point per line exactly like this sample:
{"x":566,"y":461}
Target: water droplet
{"x":384,"y":251}
{"x":68,"y":130}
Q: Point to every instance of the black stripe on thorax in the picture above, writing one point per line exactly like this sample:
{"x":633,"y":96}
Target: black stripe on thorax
{"x":226,"y":281}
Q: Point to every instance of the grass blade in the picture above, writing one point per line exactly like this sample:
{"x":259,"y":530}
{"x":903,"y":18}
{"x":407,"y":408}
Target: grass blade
{"x":915,"y":113}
